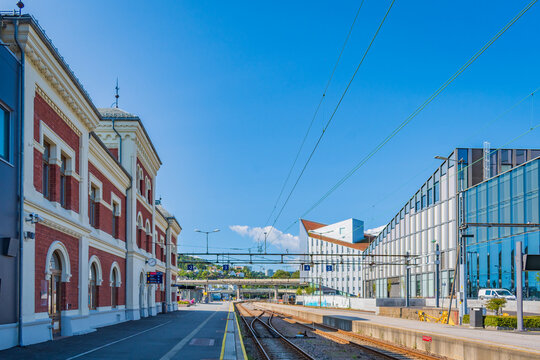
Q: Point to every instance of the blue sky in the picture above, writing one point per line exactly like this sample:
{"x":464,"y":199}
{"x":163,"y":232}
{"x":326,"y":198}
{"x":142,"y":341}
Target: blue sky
{"x":226,"y":90}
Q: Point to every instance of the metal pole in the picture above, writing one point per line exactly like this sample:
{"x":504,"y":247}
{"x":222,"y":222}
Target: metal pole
{"x":408,"y":285}
{"x":207,"y":243}
{"x":437,"y":275}
{"x":519,"y":286}
{"x":265,"y":243}
{"x":320,"y":292}
{"x":463,"y":245}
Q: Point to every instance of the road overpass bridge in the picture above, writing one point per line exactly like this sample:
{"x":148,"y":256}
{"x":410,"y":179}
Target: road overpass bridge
{"x":275,"y":283}
{"x":239,"y":282}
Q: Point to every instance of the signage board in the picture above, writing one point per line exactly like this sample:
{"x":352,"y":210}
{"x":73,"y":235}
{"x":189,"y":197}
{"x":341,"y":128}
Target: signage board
{"x":329,"y":268}
{"x":225,"y":267}
{"x":190,"y":267}
{"x":307,"y":268}
{"x":154,"y":277}
{"x":531,"y":262}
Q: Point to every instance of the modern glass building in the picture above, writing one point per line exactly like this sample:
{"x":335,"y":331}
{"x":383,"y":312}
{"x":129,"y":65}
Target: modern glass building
{"x":429,"y":219}
{"x":511,"y":197}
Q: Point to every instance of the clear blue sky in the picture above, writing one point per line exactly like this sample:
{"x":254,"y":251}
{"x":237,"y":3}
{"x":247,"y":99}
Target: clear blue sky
{"x":226,"y":90}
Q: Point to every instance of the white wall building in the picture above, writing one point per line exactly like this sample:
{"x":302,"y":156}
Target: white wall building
{"x":339,"y":247}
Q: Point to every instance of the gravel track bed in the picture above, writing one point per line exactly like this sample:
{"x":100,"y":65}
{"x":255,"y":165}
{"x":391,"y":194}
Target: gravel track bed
{"x":314,"y":344}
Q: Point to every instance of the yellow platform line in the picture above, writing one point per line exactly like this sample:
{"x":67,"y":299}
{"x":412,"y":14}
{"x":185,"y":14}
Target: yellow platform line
{"x":240,"y":336}
{"x":225,"y":335}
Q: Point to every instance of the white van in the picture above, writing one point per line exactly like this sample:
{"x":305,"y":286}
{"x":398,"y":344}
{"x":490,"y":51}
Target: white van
{"x":495,"y":293}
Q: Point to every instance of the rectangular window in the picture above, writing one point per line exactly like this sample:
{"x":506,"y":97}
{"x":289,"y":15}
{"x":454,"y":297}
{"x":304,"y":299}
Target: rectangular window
{"x":451,"y":160}
{"x":63,"y":182}
{"x":521,"y":156}
{"x":436,"y":190}
{"x":4,"y":134}
{"x":424,"y":196}
{"x":93,"y":207}
{"x":114,"y":231}
{"x":493,"y":164}
{"x":46,"y":170}
{"x":444,"y":168}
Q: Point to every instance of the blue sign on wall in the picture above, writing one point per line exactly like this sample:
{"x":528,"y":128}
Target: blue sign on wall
{"x":225,"y":267}
{"x":329,"y":267}
{"x":307,"y":267}
{"x":190,"y":267}
{"x":154,"y":277}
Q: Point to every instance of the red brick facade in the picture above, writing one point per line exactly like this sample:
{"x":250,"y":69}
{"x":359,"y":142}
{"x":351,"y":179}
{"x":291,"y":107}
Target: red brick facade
{"x":145,"y":239}
{"x":106,"y":260}
{"x":43,"y":112}
{"x":104,"y":218}
{"x":142,"y":185}
{"x":45,"y":236}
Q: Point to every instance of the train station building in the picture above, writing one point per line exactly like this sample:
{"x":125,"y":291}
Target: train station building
{"x":91,"y":229}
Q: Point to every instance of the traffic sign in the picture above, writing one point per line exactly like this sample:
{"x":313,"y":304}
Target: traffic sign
{"x":225,"y":267}
{"x":190,"y":267}
{"x":329,"y":267}
{"x":307,"y":267}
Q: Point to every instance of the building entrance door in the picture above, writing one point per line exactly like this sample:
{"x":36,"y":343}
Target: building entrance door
{"x":55,"y":294}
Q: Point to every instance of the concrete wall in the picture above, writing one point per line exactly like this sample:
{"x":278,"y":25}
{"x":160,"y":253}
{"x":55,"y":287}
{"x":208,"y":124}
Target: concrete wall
{"x":442,"y":345}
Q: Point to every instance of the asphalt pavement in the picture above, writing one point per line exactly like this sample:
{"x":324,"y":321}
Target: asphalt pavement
{"x":190,"y":333}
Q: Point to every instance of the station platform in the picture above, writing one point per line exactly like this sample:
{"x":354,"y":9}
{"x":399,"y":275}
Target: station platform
{"x":233,"y":346}
{"x":453,"y":342}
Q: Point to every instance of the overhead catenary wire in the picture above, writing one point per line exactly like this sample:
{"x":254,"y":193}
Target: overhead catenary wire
{"x":333,"y":113}
{"x":321,"y":100}
{"x":417,"y":111}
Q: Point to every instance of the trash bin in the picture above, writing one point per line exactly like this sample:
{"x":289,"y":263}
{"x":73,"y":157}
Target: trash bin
{"x":476,"y":318}
{"x":163,"y":307}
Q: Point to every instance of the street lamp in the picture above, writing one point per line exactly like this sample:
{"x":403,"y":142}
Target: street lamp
{"x":207,"y":232}
{"x":463,"y":239}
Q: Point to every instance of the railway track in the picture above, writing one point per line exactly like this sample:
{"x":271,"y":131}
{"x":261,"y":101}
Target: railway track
{"x":270,"y":342}
{"x":368,"y":344}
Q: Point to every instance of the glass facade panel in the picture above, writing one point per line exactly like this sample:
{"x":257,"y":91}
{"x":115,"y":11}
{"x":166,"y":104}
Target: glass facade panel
{"x":510,"y":198}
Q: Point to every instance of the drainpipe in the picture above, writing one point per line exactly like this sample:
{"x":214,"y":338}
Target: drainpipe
{"x":127,"y":249}
{"x":167,"y":270}
{"x":119,"y":146}
{"x":20,"y":175}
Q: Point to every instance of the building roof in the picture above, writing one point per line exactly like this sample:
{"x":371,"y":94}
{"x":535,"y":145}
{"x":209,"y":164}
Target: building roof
{"x":167,"y":215}
{"x":312,"y":225}
{"x":117,"y":114}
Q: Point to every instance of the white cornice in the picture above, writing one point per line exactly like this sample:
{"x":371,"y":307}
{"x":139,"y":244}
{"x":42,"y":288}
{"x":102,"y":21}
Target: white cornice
{"x":46,"y":64}
{"x":56,"y":221}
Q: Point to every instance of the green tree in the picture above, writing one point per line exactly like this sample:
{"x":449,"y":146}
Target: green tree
{"x":281,"y":274}
{"x":310,"y":290}
{"x":295,"y":275}
{"x":299,"y":291}
{"x":496,"y":304}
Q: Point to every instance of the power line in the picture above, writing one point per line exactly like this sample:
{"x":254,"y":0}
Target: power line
{"x":313,"y":118}
{"x":418,"y":110}
{"x":334,"y":112}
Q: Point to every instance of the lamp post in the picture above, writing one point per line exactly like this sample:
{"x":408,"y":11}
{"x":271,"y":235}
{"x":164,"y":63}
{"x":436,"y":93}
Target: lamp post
{"x":462,"y":238}
{"x":207,"y":232}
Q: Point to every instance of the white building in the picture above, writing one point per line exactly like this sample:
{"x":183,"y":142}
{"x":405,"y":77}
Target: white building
{"x":339,"y":247}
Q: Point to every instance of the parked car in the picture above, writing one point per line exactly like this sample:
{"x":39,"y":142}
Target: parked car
{"x":495,"y":293}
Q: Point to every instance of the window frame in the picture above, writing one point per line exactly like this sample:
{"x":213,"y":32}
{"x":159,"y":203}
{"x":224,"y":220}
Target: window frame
{"x":7,"y":146}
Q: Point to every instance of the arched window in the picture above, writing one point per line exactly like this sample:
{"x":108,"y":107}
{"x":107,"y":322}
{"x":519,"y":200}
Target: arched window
{"x":92,"y":287}
{"x":141,"y":182}
{"x":114,"y":288}
{"x":149,"y":191}
{"x":140,"y":228}
{"x":148,"y":237}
